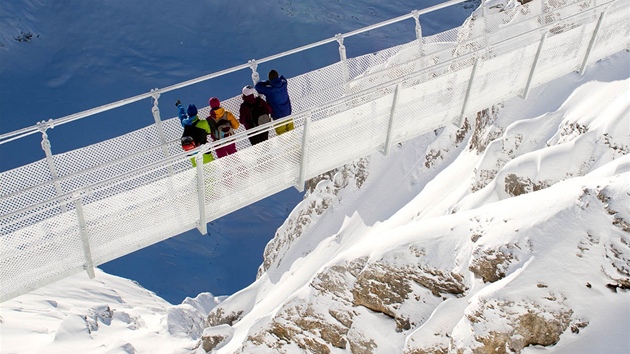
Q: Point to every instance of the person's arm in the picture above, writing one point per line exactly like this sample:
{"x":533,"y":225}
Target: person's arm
{"x":262,"y":88}
{"x":243,"y":112}
{"x":265,"y":106}
{"x":181,"y":113}
{"x":233,"y":122}
{"x":188,"y":120}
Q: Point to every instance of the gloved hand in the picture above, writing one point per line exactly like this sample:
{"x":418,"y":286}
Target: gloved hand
{"x":178,"y":103}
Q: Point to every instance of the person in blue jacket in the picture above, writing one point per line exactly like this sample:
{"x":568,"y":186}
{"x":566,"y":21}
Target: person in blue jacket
{"x":277,"y":95}
{"x":186,"y":117}
{"x":192,"y":127}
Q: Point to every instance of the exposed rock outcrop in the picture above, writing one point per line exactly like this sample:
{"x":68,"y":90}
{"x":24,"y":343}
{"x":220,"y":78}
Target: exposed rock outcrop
{"x":321,"y":193}
{"x":516,"y":325}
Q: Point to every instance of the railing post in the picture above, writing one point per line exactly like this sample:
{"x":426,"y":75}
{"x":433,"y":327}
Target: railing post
{"x":591,"y":44}
{"x":158,"y":124}
{"x":468,"y":89}
{"x":486,"y":30}
{"x":201,"y":195}
{"x":303,"y":161}
{"x":89,"y":264}
{"x":344,"y":60}
{"x":534,"y":64}
{"x":254,"y":66}
{"x":390,"y":125}
{"x":43,"y":126}
{"x":416,"y":17}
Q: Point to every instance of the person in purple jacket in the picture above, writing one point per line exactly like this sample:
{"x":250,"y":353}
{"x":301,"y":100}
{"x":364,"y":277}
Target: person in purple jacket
{"x":277,"y":95}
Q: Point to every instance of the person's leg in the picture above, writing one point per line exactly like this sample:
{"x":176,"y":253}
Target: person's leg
{"x":222,"y":151}
{"x":281,"y":129}
{"x":207,"y":157}
{"x":231,"y":149}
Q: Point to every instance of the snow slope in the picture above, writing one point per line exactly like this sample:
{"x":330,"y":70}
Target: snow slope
{"x":522,"y":225}
{"x":107,"y":315}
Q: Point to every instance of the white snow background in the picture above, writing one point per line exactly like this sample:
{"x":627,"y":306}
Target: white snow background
{"x":83,"y":56}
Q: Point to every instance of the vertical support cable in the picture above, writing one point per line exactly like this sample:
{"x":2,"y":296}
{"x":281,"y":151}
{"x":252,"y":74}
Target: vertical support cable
{"x":390,"y":125}
{"x":543,"y":18}
{"x":43,"y":126}
{"x":591,"y":44}
{"x":254,"y":66}
{"x":303,"y":161}
{"x":486,"y":29}
{"x":158,"y":124}
{"x":344,"y":60}
{"x":534,"y":64}
{"x":201,"y":195}
{"x":416,"y":17}
{"x":89,"y":264}
{"x":470,"y":84}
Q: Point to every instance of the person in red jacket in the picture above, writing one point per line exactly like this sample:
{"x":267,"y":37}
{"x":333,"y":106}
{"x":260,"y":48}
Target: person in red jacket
{"x":222,"y":125}
{"x":254,"y":111}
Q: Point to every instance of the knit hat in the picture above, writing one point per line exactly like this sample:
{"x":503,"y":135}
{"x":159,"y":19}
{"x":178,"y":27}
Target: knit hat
{"x":248,"y":90}
{"x":214,"y":103}
{"x":192,"y":110}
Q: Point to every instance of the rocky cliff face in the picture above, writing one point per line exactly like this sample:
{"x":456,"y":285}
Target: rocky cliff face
{"x":468,"y":299}
{"x":505,"y":269}
{"x":321,"y":193}
{"x":517,"y":231}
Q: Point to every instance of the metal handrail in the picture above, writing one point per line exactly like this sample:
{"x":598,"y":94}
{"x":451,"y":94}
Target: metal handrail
{"x":17,"y":134}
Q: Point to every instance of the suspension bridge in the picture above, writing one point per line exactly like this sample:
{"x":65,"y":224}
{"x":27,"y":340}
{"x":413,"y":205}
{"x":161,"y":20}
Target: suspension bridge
{"x":73,"y":211}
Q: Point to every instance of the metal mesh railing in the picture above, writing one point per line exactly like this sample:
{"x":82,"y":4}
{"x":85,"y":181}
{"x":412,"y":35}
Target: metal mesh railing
{"x":114,"y":197}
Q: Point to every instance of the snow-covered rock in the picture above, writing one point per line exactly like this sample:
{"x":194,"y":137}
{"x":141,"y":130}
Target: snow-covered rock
{"x":484,"y":269}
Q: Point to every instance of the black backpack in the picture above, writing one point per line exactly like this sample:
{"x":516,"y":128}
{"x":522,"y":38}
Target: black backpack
{"x":193,"y":134}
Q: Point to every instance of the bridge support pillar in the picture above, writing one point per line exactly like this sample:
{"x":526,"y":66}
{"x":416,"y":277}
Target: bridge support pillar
{"x":303,"y":161}
{"x":254,"y":66}
{"x":158,"y":125}
{"x":468,"y":89}
{"x":43,"y":126}
{"x":89,"y":263}
{"x":591,"y":44}
{"x":534,"y":64}
{"x":344,"y":61}
{"x":416,"y":17}
{"x":202,"y":226}
{"x":390,"y":125}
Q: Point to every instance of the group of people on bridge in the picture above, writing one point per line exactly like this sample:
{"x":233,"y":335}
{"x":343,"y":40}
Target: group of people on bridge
{"x":221,"y":123}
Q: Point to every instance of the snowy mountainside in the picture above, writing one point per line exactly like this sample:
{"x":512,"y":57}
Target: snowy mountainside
{"x":107,"y":314}
{"x":506,"y":235}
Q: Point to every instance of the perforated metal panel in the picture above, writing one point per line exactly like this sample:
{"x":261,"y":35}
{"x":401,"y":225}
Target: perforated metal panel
{"x":132,"y":191}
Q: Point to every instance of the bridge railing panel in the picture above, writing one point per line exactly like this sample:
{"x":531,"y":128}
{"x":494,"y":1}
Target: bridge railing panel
{"x":614,"y":32}
{"x":41,"y":252}
{"x":251,"y":174}
{"x":135,"y":218}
